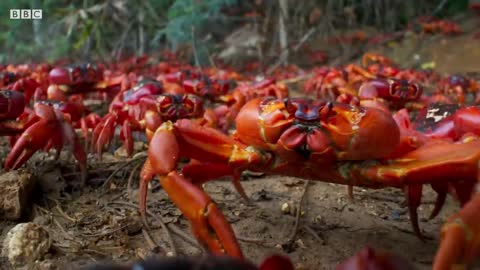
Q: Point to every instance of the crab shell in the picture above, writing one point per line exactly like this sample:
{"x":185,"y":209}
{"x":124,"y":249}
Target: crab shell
{"x":326,"y":131}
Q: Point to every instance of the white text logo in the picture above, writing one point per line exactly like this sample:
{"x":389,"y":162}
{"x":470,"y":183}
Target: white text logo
{"x":25,"y":14}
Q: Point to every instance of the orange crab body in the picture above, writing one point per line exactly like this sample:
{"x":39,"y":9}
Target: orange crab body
{"x":317,"y":140}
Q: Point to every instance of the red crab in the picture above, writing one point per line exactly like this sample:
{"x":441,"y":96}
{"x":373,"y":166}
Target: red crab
{"x":12,"y":105}
{"x":45,"y":128}
{"x":82,"y":79}
{"x":144,"y":108}
{"x":21,"y":82}
{"x":440,"y":26}
{"x":424,"y":76}
{"x":384,"y":94}
{"x":246,"y":92}
{"x":445,"y":121}
{"x":379,"y":65}
{"x":374,"y":58}
{"x":329,"y":83}
{"x":456,"y":89}
{"x":80,"y":116}
{"x":295,"y":137}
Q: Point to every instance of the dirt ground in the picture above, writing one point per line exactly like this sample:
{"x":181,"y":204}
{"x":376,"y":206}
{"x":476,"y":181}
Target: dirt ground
{"x":101,"y":222}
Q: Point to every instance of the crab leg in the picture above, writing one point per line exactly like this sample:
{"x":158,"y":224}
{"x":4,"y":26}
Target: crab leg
{"x":185,"y":138}
{"x":103,"y":133}
{"x":33,"y":139}
{"x":204,"y":172}
{"x":460,"y":237}
{"x":439,"y":164}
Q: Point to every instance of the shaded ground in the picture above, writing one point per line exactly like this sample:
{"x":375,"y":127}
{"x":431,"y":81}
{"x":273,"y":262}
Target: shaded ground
{"x":96,"y":226}
{"x":102,"y":223}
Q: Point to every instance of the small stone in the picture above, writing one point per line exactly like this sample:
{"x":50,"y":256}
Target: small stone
{"x":286,"y":208}
{"x":16,"y":188}
{"x":300,"y":243}
{"x":169,"y":254}
{"x":112,"y":186}
{"x":25,"y":244}
{"x":141,"y":253}
{"x":278,"y":246}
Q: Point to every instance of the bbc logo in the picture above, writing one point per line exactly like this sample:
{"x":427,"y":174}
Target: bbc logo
{"x":26,"y":14}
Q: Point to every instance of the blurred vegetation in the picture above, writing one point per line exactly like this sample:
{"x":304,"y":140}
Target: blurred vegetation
{"x":90,"y":30}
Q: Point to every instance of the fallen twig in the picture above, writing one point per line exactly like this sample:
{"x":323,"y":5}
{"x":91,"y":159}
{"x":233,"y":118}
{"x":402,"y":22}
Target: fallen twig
{"x":130,"y":179}
{"x":294,"y":232}
{"x":314,"y":234}
{"x":122,"y":166}
{"x":158,"y":219}
{"x":151,"y":243}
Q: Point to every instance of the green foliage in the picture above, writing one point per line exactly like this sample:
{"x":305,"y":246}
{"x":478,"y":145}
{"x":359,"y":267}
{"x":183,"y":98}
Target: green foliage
{"x":186,"y":15}
{"x":89,"y":29}
{"x":453,"y":7}
{"x":187,"y":19}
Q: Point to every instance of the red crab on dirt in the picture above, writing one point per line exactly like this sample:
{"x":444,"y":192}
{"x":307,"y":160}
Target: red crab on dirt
{"x":82,"y":79}
{"x":328,"y":83}
{"x":46,"y":127}
{"x":144,"y":108}
{"x":296,"y":137}
{"x":385,"y":94}
{"x":456,"y":89}
{"x":245,"y":92}
{"x":445,"y":27}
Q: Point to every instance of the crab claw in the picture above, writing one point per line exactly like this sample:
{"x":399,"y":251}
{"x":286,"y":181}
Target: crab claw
{"x":89,"y":122}
{"x":39,"y":136}
{"x":208,"y":223}
{"x":127,"y":137}
{"x":185,"y":138}
{"x":460,"y":238}
{"x":414,"y":199}
{"x":103,"y":133}
{"x":34,"y":138}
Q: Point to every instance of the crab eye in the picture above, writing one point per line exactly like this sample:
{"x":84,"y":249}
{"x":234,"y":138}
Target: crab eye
{"x":415,"y":90}
{"x":165,"y":102}
{"x":326,"y":110}
{"x":290,"y":106}
{"x":188,"y":103}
